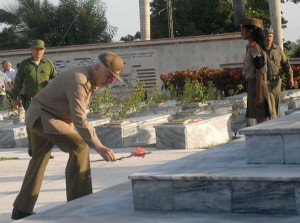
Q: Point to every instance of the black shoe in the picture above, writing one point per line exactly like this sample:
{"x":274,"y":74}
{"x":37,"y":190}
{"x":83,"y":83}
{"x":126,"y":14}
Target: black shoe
{"x":30,"y":153}
{"x":17,"y":214}
{"x":51,"y":157}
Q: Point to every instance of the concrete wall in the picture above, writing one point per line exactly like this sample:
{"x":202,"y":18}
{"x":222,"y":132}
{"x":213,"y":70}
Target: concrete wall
{"x":145,"y":60}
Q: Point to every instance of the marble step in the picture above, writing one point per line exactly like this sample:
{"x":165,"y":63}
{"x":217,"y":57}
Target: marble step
{"x":274,"y":141}
{"x":219,"y":180}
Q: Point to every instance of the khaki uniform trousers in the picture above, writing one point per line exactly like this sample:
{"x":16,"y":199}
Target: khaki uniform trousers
{"x":77,"y":172}
{"x":275,"y":94}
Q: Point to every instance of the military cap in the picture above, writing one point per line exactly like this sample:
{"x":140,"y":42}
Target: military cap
{"x":38,"y":44}
{"x":113,"y":63}
{"x":252,"y":22}
{"x":269,"y":31}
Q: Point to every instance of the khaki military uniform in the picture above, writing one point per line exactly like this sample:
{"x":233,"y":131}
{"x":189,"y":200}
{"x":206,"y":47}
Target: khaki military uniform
{"x":276,"y":60}
{"x":57,"y":116}
{"x":261,"y":111}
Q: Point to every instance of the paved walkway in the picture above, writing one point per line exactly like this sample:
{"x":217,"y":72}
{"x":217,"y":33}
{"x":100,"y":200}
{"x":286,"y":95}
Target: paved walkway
{"x":112,"y":198}
{"x":104,"y":175}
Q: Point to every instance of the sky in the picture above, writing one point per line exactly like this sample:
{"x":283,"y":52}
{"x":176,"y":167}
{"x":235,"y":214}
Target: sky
{"x":124,"y":14}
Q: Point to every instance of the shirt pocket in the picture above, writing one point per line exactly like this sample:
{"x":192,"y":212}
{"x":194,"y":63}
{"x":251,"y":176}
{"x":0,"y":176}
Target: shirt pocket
{"x":276,"y":60}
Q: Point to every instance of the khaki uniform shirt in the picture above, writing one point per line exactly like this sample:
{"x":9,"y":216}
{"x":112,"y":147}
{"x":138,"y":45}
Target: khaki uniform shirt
{"x":276,"y":61}
{"x":253,"y":111}
{"x":252,"y":50}
{"x":62,"y":105}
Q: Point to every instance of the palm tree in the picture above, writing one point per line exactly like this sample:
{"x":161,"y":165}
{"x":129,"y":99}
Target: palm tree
{"x":66,"y":24}
{"x":145,"y":19}
{"x":28,"y":20}
{"x":239,"y":9}
{"x":275,"y":16}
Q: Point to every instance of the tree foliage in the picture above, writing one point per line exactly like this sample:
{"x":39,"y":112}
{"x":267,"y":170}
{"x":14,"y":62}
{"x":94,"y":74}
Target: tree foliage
{"x":130,"y":38}
{"x":68,"y":23}
{"x":194,"y":17}
{"x":296,"y":49}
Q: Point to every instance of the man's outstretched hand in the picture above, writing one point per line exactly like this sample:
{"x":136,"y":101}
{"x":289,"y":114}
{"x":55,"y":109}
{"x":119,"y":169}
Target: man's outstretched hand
{"x":106,"y":153}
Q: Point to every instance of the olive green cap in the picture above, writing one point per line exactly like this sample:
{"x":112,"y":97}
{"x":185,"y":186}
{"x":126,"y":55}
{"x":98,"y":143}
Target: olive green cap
{"x":269,"y":31}
{"x":38,"y":44}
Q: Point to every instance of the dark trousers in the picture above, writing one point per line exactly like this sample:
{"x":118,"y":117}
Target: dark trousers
{"x":77,"y":172}
{"x":26,"y":103}
{"x":9,"y":97}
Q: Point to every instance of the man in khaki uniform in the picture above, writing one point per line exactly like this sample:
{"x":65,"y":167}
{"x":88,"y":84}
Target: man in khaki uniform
{"x":276,"y":60}
{"x":51,"y":118}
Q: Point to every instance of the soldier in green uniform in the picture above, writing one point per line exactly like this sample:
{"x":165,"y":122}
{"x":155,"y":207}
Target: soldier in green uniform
{"x":255,"y":70}
{"x":276,"y":60}
{"x":33,"y":75}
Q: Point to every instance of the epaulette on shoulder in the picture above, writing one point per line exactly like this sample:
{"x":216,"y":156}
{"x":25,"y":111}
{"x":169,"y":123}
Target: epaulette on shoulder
{"x":88,"y":85}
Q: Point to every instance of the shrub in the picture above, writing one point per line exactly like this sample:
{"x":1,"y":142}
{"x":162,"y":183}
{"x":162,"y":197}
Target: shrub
{"x":228,"y":81}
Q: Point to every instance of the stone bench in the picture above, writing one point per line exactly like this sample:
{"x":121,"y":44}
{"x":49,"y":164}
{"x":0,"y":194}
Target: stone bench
{"x":276,"y":141}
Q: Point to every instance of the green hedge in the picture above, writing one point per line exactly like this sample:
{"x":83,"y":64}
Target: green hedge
{"x":228,"y":81}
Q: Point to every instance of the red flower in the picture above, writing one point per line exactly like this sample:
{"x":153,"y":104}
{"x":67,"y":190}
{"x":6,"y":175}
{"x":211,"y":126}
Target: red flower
{"x":139,"y":151}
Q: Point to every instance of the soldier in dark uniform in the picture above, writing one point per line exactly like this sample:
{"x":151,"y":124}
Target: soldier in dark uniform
{"x":32,"y":76}
{"x":276,"y":60}
{"x":255,"y":70}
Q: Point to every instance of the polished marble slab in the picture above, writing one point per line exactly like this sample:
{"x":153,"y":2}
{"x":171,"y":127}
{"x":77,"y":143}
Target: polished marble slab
{"x":13,"y":135}
{"x":274,"y":141}
{"x":164,"y":108}
{"x":219,"y":180}
{"x":13,"y":131}
{"x":198,"y":131}
{"x":238,"y":101}
{"x":288,"y":106}
{"x":129,"y":132}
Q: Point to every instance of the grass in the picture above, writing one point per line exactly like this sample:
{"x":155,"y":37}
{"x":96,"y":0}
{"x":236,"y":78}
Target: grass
{"x":8,"y":158}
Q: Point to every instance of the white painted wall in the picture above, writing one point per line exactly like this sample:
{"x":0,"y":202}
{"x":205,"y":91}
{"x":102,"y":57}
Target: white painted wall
{"x":146,"y":60}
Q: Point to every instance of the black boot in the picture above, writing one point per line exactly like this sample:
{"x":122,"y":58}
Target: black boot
{"x":30,"y":152}
{"x":17,"y":214}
